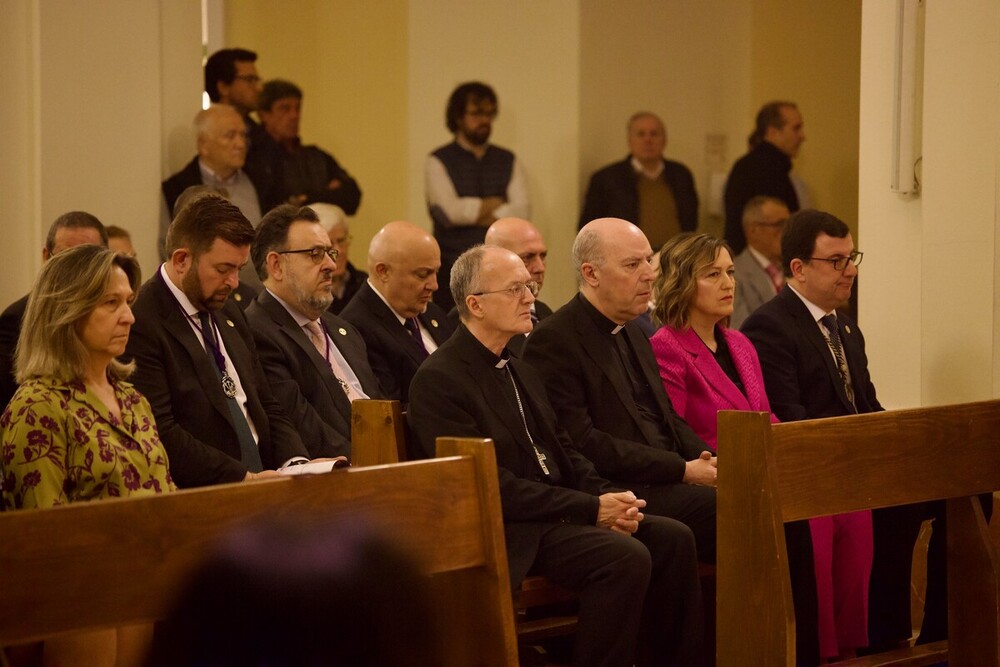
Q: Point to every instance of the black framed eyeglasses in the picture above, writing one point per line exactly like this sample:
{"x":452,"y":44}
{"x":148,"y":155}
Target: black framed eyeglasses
{"x":840,"y":263}
{"x":316,"y":254}
{"x":514,"y":291}
{"x":252,"y":79}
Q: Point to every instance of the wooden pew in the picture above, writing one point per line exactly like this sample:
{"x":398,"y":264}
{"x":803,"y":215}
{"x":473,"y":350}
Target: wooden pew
{"x":771,"y":475}
{"x":116,"y":562}
{"x":378,"y":437}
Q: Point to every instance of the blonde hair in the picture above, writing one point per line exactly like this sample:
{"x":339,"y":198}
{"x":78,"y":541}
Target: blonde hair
{"x":68,"y":289}
{"x":681,"y":259}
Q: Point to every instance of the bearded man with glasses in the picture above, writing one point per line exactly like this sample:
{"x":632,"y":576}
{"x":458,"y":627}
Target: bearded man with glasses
{"x":316,"y":362}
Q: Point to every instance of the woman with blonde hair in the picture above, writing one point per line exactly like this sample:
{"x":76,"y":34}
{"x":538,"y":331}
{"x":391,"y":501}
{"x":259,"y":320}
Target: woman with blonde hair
{"x":76,"y":430}
{"x":706,"y":367}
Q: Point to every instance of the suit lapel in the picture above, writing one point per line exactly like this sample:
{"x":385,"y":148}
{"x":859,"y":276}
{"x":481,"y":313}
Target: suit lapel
{"x":606,"y":360}
{"x":433,"y":324}
{"x":710,"y":371}
{"x":290,"y":328}
{"x":810,"y":329}
{"x":396,"y":331}
{"x":177,"y":325}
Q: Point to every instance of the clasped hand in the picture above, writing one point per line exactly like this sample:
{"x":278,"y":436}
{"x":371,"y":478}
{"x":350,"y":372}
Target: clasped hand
{"x":620,"y":512}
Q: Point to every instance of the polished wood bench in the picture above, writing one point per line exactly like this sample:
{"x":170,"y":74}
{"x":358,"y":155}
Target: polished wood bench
{"x":773,"y":474}
{"x":57,"y":565}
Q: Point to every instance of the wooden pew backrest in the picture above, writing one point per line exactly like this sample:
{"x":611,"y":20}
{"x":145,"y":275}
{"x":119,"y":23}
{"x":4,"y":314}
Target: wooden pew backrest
{"x":115,"y":562}
{"x":770,"y":475}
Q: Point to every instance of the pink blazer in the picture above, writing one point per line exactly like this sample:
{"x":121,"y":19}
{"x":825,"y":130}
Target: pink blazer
{"x":697,"y":385}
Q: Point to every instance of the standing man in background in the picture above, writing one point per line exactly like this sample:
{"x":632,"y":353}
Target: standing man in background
{"x":648,"y":190}
{"x":231,"y":78}
{"x":470,"y":182}
{"x":764,"y":170}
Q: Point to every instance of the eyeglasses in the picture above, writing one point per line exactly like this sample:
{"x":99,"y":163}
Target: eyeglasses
{"x":252,"y":79}
{"x":840,"y":263}
{"x":344,"y":240}
{"x":316,"y":254}
{"x":514,"y":291}
{"x":780,"y":224}
{"x":481,"y":113}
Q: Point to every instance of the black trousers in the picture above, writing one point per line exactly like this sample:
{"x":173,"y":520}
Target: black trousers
{"x":895,"y":531}
{"x":694,"y":506}
{"x":640,"y":598}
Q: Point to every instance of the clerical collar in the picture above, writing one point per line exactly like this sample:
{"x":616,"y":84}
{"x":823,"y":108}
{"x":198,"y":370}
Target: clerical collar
{"x":602,"y":322}
{"x":497,"y":362}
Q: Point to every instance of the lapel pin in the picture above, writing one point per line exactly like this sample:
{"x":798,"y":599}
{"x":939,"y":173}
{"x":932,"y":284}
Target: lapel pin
{"x":230,"y":323}
{"x":343,"y":331}
{"x":238,"y":296}
{"x":847,"y":328}
{"x":434,"y":323}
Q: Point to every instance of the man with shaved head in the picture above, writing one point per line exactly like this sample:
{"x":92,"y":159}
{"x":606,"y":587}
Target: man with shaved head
{"x":393,"y":309}
{"x":222,"y":150}
{"x":561,"y":519}
{"x":605,"y":386}
{"x":524,"y":240}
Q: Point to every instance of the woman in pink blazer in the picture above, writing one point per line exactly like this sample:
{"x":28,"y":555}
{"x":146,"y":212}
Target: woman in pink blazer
{"x":707,"y":367}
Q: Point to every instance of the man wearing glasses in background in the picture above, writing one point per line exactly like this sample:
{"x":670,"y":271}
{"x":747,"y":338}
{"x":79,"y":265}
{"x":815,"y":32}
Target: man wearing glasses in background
{"x":758,"y":268}
{"x":470,"y":182}
{"x":231,"y":78}
{"x":316,"y":363}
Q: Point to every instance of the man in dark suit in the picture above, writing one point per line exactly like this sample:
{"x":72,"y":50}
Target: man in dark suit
{"x":68,"y":231}
{"x":815,"y":366}
{"x":316,"y":363}
{"x":524,"y":240}
{"x":196,"y":361}
{"x":646,"y":189}
{"x":393,"y":311}
{"x":765,"y":169}
{"x":560,"y":518}
{"x":604,"y":384}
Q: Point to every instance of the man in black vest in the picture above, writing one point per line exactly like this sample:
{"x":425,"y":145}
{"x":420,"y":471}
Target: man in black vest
{"x":470,"y":182}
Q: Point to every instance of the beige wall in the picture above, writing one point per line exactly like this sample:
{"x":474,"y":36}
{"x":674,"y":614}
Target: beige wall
{"x":930,"y":304}
{"x":528,"y":52}
{"x":83,"y":126}
{"x":810,"y":53}
{"x":688,"y":62}
{"x":350,"y":59}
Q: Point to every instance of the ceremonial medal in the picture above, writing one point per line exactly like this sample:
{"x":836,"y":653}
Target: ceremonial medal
{"x":228,"y":385}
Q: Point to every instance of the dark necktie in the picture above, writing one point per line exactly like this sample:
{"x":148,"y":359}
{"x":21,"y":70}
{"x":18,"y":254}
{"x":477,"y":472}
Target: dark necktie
{"x":414,"y":328}
{"x":249,"y":453}
{"x":830,"y":324}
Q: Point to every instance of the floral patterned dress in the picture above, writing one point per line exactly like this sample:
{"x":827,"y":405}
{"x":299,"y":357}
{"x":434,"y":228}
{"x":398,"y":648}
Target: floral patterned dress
{"x":60,"y":444}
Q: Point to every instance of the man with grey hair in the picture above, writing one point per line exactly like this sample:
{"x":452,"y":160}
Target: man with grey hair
{"x":347,"y":278}
{"x":560,"y":517}
{"x":222,"y":150}
{"x":316,"y":363}
{"x":604,"y":383}
{"x":645,"y":188}
{"x":759,"y":277}
{"x":68,"y":231}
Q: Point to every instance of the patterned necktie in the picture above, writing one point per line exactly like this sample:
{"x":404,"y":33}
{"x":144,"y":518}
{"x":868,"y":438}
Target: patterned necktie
{"x":776,"y":278}
{"x":318,"y":338}
{"x":830,"y":324}
{"x":413,"y":327}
